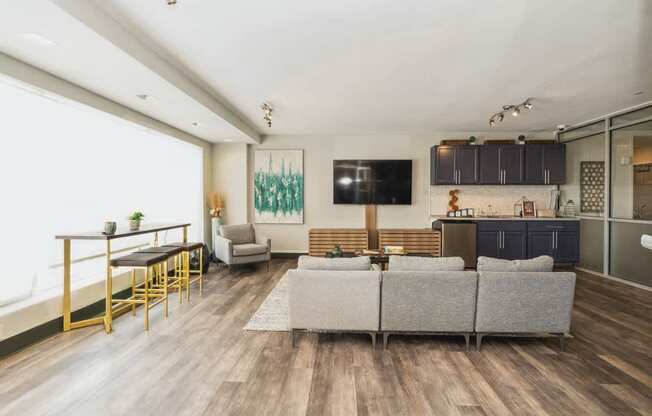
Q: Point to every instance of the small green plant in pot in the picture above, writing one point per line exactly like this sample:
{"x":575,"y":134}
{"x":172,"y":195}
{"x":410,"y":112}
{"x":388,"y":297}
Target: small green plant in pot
{"x":134,"y":220}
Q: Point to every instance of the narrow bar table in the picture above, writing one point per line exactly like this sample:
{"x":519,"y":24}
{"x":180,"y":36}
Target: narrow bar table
{"x":107,"y":318}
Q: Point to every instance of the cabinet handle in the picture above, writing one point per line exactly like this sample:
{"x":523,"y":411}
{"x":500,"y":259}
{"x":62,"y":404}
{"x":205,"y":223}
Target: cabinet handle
{"x":502,"y":239}
{"x":556,"y":240}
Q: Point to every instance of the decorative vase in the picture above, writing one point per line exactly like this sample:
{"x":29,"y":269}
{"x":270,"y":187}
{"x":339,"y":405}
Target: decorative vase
{"x":134,"y":225}
{"x":109,"y":228}
{"x":569,"y":209}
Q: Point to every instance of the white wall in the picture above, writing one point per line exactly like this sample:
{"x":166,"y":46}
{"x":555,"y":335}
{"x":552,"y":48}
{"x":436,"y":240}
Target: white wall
{"x":319,"y":152}
{"x":583,"y":150}
{"x":230,"y":178}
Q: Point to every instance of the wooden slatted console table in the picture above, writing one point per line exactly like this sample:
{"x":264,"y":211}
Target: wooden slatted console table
{"x":413,"y":240}
{"x":323,"y":240}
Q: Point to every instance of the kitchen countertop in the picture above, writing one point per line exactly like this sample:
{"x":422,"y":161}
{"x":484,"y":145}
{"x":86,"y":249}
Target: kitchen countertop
{"x":500,"y":218}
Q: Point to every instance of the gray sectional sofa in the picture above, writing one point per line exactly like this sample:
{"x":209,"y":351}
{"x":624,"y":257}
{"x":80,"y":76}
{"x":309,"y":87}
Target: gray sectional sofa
{"x":431,"y":295}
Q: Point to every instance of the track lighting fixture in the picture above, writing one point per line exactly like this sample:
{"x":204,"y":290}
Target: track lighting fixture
{"x":267,"y":109}
{"x":515,"y":110}
{"x":171,"y":2}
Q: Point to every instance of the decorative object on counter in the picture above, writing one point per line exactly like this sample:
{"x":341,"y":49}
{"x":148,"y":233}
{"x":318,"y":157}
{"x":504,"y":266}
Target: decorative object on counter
{"x":452,"y":203}
{"x":569,"y":209}
{"x":521,"y":139}
{"x":518,"y":207}
{"x":110,"y":227}
{"x":529,"y":209}
{"x":134,"y":220}
{"x":489,"y":212}
{"x":592,"y":187}
{"x":461,"y":213}
{"x":546,"y":213}
{"x":513,"y":109}
{"x":335,"y":253}
{"x":394,"y":250}
{"x":553,"y":204}
{"x":278,"y":186}
{"x":454,"y":142}
{"x":472,"y":140}
{"x":498,"y":141}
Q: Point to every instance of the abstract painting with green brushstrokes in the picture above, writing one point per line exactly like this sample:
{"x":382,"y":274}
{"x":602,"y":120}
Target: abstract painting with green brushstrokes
{"x":278,"y":186}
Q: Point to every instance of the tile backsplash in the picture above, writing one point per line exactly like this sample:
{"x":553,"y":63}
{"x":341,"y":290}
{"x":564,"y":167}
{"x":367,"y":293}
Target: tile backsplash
{"x":502,"y":198}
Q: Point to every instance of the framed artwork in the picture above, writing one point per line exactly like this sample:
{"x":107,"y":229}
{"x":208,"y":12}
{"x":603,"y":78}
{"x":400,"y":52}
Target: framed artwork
{"x":278,"y":186}
{"x":529,"y":209}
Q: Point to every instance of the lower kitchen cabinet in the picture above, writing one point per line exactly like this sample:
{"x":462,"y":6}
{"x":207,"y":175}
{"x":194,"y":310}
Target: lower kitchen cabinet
{"x":559,"y":239}
{"x":502,"y":239}
{"x":513,"y":240}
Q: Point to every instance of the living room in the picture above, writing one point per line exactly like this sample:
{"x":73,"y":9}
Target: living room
{"x":340,"y":208}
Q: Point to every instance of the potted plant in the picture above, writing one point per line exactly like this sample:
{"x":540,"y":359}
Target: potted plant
{"x":134,"y":220}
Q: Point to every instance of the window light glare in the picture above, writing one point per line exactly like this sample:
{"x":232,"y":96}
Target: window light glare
{"x":37,"y":39}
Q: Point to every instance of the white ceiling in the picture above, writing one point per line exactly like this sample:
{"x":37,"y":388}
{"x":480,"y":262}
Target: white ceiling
{"x":349,"y":67}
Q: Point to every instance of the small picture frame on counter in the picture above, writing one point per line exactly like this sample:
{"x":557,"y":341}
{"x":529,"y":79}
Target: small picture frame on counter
{"x":529,"y":209}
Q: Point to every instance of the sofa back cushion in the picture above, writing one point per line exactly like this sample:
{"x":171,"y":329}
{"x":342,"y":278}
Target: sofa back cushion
{"x":344,"y":263}
{"x":537,"y":264}
{"x":428,"y":301}
{"x":425,"y":264}
{"x":524,"y":301}
{"x":238,"y":234}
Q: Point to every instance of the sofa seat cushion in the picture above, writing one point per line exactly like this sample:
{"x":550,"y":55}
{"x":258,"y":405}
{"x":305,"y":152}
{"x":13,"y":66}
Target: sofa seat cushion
{"x":342,"y":263}
{"x":425,"y":264}
{"x":248,"y":249}
{"x":238,"y":234}
{"x":537,"y":264}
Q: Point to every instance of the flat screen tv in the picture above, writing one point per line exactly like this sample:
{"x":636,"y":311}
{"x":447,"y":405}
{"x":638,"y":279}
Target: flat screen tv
{"x":372,"y":182}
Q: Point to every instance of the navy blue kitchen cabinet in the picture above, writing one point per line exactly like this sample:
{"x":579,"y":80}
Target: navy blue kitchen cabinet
{"x":559,"y":239}
{"x":545,"y":164}
{"x":454,"y":165}
{"x":502,"y":239}
{"x":502,"y":164}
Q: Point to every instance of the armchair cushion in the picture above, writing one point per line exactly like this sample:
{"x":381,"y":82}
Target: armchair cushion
{"x":238,"y":234}
{"x":249,"y":249}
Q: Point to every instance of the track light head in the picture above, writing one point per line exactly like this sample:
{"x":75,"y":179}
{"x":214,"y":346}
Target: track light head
{"x":516,"y":111}
{"x":528,"y":105}
{"x":501,"y":116}
{"x":492,"y":123}
{"x":171,"y":2}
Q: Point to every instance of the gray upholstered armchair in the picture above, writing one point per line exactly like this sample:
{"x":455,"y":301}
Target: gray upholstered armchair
{"x":240,"y":244}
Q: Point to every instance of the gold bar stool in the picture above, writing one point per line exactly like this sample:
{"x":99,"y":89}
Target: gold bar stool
{"x":185,"y":271}
{"x":174,"y":281}
{"x":141,"y":294}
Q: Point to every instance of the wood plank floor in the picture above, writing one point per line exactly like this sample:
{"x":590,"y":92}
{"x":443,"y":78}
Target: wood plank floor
{"x":201,"y":362}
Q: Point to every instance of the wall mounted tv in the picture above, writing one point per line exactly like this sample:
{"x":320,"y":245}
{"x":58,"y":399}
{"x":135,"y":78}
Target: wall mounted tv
{"x":372,"y":182}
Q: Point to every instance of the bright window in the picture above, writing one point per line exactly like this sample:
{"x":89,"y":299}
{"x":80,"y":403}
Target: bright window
{"x":66,"y":167}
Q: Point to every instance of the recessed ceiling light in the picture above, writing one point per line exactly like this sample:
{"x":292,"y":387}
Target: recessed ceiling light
{"x":37,"y":39}
{"x":638,"y":92}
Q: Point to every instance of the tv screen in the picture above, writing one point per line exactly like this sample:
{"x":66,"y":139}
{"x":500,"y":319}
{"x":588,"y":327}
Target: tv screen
{"x":372,"y":182}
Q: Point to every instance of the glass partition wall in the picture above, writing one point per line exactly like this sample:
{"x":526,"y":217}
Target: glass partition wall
{"x":609,"y":179}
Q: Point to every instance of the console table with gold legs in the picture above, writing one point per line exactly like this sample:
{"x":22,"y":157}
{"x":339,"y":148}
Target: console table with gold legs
{"x":110,"y":310}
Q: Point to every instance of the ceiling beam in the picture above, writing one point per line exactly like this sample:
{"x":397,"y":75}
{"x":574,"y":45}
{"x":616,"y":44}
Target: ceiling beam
{"x":106,"y":26}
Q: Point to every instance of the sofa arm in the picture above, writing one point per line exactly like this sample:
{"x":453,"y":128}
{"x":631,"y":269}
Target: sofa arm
{"x":224,"y":249}
{"x":264,"y":240}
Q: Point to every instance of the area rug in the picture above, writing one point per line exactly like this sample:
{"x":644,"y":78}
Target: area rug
{"x":272,"y":315}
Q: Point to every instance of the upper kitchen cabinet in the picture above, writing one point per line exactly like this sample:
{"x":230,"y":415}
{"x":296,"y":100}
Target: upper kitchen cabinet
{"x":545,"y":164}
{"x":502,"y":164}
{"x":454,"y":165}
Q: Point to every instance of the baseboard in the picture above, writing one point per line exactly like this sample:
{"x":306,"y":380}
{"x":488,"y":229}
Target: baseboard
{"x":53,"y":327}
{"x":616,"y":279}
{"x":287,"y":255}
